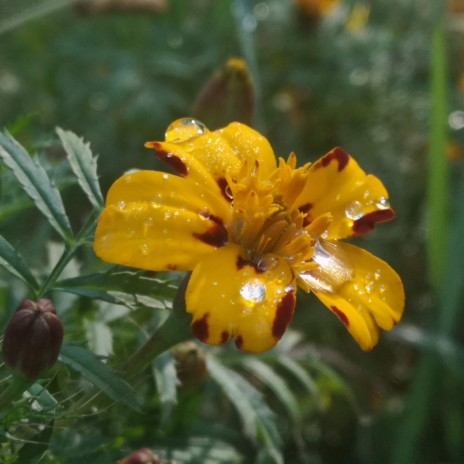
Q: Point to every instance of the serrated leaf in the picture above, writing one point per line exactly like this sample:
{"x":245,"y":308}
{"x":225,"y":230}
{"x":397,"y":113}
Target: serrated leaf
{"x":99,"y":374}
{"x":83,"y":164}
{"x":300,"y":374}
{"x":165,"y":373}
{"x":259,"y":423}
{"x":131,"y":289}
{"x":36,"y":183}
{"x":13,"y":262}
{"x":275,"y":383}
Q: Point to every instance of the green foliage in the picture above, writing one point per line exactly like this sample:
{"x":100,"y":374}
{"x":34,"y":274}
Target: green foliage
{"x":378,"y":78}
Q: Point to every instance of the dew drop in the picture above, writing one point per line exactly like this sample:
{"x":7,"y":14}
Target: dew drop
{"x":377,"y":274}
{"x":145,"y":249}
{"x":253,"y":292}
{"x":354,"y":210}
{"x":382,"y":203}
{"x":121,"y":205}
{"x":184,"y":129}
{"x":266,"y":263}
{"x":334,"y":268}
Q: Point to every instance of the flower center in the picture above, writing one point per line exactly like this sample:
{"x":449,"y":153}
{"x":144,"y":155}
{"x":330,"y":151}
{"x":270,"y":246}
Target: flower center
{"x":266,"y":222}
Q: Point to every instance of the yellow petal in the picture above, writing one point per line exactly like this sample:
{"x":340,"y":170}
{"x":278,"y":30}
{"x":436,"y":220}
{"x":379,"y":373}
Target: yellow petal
{"x":373,"y":299}
{"x":230,"y":297}
{"x":250,"y":146}
{"x":157,"y":222}
{"x":206,"y":159}
{"x":337,"y":185}
{"x":210,"y":158}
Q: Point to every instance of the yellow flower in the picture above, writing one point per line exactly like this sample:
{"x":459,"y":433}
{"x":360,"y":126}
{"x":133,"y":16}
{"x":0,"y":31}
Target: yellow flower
{"x":252,"y":230}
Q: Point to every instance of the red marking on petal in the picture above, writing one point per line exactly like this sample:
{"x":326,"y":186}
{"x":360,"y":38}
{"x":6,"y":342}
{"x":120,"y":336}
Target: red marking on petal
{"x":367,"y":222}
{"x":216,"y":235}
{"x":305,"y":210}
{"x":337,"y":154}
{"x":239,"y":342}
{"x":341,"y":315}
{"x":241,"y":263}
{"x":284,"y":314}
{"x":171,"y":159}
{"x":224,"y":186}
{"x":200,"y":328}
{"x":225,"y":336}
{"x":172,"y":267}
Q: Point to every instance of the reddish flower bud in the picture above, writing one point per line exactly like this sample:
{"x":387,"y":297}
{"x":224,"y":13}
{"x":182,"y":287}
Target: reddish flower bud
{"x":141,"y":456}
{"x":33,"y":337}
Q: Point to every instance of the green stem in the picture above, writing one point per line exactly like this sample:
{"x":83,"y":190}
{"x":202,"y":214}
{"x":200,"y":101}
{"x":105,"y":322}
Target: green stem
{"x":68,"y":254}
{"x":15,"y":389}
{"x":175,"y":330}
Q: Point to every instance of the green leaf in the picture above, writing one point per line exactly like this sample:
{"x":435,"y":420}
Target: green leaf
{"x":12,"y":261}
{"x":166,"y":382}
{"x":36,"y":183}
{"x":275,"y":383}
{"x":83,"y":164}
{"x":131,"y":289}
{"x":99,"y":374}
{"x":438,"y":176}
{"x":259,"y":423}
{"x":301,"y":374}
{"x":34,"y":451}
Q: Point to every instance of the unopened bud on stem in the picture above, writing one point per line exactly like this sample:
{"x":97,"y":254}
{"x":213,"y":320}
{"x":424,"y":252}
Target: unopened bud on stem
{"x":33,"y":338}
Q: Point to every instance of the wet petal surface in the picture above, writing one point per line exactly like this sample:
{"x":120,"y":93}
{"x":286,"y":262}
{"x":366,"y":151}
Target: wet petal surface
{"x":230,"y":297}
{"x":372,"y":299}
{"x":158,"y":221}
{"x":336,"y":184}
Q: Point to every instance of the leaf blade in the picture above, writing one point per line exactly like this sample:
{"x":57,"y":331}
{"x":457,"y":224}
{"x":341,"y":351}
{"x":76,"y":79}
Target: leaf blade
{"x":99,"y":374}
{"x":83,"y":164}
{"x":258,"y":420}
{"x":13,"y":262}
{"x":36,"y":183}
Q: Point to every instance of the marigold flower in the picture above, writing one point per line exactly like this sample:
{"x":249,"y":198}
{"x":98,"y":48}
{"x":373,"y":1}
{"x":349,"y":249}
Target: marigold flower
{"x":252,"y":230}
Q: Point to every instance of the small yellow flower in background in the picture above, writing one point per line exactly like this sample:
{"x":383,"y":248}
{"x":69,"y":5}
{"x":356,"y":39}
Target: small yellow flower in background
{"x":316,"y":7}
{"x":253,"y":229}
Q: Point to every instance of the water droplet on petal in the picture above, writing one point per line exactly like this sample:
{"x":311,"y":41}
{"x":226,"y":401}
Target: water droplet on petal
{"x":382,"y":203}
{"x":377,"y":274}
{"x":145,"y":249}
{"x":266,"y":263}
{"x":354,"y":210}
{"x":253,"y":292}
{"x":184,"y":129}
{"x":121,"y":205}
{"x":334,"y":268}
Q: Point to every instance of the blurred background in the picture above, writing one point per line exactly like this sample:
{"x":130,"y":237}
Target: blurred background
{"x":384,"y":79}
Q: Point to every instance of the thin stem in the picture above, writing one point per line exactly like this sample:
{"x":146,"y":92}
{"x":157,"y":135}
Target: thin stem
{"x":68,"y":254}
{"x":175,"y":330}
{"x":15,"y":389}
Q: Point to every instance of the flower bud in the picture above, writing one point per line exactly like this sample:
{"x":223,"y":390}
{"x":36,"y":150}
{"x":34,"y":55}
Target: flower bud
{"x":33,"y":337}
{"x":191,"y":364}
{"x":228,"y":96}
{"x":141,"y":456}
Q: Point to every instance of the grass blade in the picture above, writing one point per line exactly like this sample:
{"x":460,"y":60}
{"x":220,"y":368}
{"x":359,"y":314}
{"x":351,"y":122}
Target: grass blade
{"x":83,"y":164}
{"x":438,"y":172}
{"x":36,"y":183}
